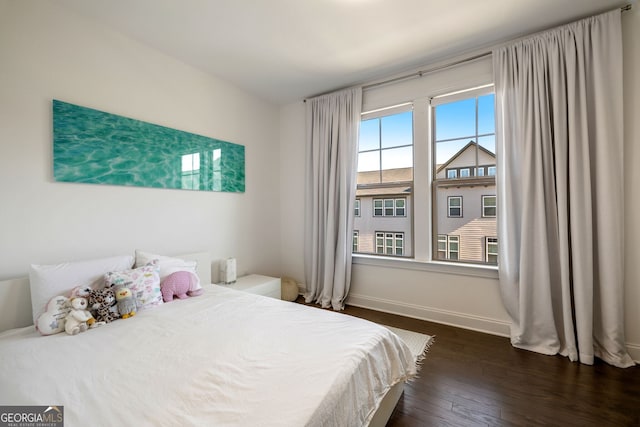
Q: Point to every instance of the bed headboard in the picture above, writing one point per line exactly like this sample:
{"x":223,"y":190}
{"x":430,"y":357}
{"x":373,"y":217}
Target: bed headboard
{"x":15,"y":295}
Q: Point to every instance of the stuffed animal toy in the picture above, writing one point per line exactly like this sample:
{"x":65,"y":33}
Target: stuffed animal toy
{"x":126,"y":302}
{"x":182,"y":284}
{"x":104,"y":305}
{"x":78,"y":319}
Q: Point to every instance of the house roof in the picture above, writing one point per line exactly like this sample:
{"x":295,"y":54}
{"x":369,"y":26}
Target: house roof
{"x":471,"y":143}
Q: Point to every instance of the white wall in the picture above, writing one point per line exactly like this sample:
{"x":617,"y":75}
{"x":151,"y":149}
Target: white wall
{"x":467,"y":301}
{"x":48,"y":52}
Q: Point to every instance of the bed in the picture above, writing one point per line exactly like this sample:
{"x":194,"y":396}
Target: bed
{"x":224,"y":358}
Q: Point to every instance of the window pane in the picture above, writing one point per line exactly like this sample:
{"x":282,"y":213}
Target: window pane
{"x":445,"y":151}
{"x":488,"y":142}
{"x":369,"y":161}
{"x":456,"y":119}
{"x":397,"y":130}
{"x":486,"y":116}
{"x":369,"y":135}
{"x":394,"y":158}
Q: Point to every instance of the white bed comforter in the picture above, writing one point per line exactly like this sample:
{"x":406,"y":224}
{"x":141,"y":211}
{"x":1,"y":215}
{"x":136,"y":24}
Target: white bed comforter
{"x":225,"y":358}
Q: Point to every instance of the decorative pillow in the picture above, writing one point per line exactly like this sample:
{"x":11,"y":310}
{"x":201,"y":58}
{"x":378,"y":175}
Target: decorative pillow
{"x":144,"y":283}
{"x":52,"y":320}
{"x":169,"y":265}
{"x":47,"y":281}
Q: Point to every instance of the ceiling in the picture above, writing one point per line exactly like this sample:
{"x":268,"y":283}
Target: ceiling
{"x":285,"y":50}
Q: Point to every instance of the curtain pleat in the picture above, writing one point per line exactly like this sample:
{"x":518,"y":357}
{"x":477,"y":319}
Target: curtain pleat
{"x":560,"y":190}
{"x":333,"y":123}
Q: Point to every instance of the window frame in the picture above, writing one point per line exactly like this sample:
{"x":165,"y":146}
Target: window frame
{"x":356,"y":207}
{"x":355,"y":242}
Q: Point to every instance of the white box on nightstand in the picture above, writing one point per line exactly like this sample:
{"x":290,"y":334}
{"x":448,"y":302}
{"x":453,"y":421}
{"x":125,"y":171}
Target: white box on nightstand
{"x":258,"y":284}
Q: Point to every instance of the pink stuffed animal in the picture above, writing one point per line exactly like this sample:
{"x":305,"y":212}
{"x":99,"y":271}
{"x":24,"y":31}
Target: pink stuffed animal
{"x":182,"y":284}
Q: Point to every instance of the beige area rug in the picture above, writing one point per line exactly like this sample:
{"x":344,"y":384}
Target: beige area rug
{"x":418,"y":343}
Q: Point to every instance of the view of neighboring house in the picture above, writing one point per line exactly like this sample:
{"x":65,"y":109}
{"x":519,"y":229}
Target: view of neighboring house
{"x":466,"y":209}
{"x":383,"y":222}
{"x":466,"y":206}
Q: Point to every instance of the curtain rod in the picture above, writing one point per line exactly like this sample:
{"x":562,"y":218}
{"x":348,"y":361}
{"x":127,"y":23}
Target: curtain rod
{"x":421,"y":73}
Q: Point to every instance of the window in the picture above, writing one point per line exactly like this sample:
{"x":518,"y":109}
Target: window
{"x":389,"y":207}
{"x":356,"y":207}
{"x":389,"y":243}
{"x":424,"y":165}
{"x":463,"y":136}
{"x":455,"y":206}
{"x":491,"y":250}
{"x":400,"y":203}
{"x":448,"y":247}
{"x":356,"y":236}
{"x":489,"y":206}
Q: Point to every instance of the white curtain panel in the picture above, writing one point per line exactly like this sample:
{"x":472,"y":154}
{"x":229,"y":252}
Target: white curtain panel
{"x":560,"y":190}
{"x":333,"y":124}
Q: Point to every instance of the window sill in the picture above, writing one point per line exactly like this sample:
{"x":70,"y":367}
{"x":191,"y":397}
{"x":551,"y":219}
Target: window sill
{"x":487,"y":272}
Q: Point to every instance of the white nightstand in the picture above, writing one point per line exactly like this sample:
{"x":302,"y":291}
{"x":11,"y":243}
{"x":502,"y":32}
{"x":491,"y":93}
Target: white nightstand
{"x":258,"y":284}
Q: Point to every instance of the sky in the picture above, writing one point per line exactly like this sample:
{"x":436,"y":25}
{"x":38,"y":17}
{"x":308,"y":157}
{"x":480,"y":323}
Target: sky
{"x":455,"y":127}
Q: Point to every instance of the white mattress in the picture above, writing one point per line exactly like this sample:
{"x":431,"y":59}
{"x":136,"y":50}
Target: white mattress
{"x":226,"y":358}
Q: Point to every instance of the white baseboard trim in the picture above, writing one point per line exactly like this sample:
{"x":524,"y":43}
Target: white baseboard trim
{"x":634,"y":352}
{"x":451,"y":318}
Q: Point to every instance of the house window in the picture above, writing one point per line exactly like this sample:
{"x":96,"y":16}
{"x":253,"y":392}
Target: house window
{"x":491,"y":250}
{"x":389,"y":243}
{"x":455,"y":206}
{"x":389,"y":207}
{"x":356,"y":207}
{"x":448,"y":247}
{"x":356,"y":236}
{"x":400,"y":207}
{"x":489,"y":206}
{"x":447,"y":143}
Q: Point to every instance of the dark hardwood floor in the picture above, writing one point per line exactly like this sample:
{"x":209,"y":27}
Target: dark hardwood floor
{"x":473,"y":379}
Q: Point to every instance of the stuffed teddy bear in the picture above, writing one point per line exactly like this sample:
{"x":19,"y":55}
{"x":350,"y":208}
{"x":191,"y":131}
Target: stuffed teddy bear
{"x":103,"y":304}
{"x":182,"y":284}
{"x":126,"y":301}
{"x":78,"y":319}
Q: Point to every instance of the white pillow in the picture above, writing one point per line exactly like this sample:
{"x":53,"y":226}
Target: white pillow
{"x":168,"y":265}
{"x":47,"y":281}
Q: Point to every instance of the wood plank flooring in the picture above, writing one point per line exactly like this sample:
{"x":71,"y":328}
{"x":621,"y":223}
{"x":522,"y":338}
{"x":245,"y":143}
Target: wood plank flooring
{"x":474,"y":379}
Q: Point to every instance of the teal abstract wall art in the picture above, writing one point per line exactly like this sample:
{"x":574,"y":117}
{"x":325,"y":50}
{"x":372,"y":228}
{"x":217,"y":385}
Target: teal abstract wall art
{"x":91,"y":146}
